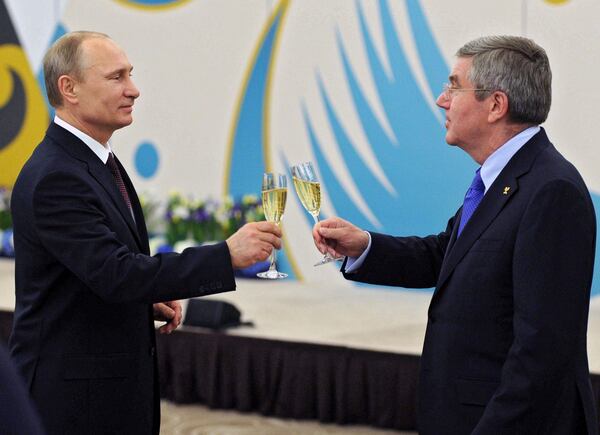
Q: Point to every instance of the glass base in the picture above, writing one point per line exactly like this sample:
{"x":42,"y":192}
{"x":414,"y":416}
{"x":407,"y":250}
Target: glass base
{"x":272,"y":274}
{"x":327,"y":259}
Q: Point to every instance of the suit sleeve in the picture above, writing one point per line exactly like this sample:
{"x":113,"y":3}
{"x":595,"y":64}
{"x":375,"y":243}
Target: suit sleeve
{"x":412,"y":262}
{"x":73,"y":227}
{"x":552,"y":273}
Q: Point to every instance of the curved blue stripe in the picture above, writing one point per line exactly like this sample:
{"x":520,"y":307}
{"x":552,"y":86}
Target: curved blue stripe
{"x":247,"y":158}
{"x":383,"y":148}
{"x":58,"y":32}
{"x":364,"y":179}
{"x":342,"y":203}
{"x":431,"y":57}
{"x":403,"y":100}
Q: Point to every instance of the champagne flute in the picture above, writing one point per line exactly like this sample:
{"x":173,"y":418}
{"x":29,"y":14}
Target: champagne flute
{"x":274,"y":195}
{"x":308,"y":189}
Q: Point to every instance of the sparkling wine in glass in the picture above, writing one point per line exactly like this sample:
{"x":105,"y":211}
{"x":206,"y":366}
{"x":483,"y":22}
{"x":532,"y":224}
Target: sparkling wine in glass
{"x":274,"y":195}
{"x":308,"y":189}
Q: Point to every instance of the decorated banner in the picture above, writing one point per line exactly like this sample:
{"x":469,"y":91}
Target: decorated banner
{"x":230,"y":89}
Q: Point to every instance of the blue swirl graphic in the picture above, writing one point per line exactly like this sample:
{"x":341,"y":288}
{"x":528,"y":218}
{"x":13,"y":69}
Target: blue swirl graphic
{"x":429,"y":178}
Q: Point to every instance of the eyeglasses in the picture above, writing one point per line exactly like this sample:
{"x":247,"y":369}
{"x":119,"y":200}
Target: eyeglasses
{"x":449,"y":90}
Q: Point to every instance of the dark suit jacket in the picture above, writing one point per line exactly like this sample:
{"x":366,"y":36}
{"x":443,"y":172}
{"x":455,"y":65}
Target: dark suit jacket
{"x":17,"y":414}
{"x":83,"y":333}
{"x":505,"y":347}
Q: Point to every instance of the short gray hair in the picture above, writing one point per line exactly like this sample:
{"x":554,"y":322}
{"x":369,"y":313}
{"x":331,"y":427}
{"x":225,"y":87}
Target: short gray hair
{"x":516,"y":66}
{"x":64,"y":58}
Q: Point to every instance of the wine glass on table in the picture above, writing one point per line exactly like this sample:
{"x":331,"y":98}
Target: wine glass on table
{"x":274,"y":195}
{"x":308,"y":189}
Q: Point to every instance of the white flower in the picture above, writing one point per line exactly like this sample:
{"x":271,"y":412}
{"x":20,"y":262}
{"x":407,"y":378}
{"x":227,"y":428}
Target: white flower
{"x":211,"y":207}
{"x":181,"y":212}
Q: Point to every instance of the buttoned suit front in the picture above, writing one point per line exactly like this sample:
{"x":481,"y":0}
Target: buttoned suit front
{"x":83,"y":333}
{"x":505,"y":346}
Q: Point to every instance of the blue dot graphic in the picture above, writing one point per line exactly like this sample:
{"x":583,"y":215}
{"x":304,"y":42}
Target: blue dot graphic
{"x":146,"y":159}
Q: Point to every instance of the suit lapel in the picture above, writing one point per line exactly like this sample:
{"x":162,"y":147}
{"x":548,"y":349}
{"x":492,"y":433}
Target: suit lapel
{"x":498,"y":195}
{"x":76,"y":148}
{"x":454,"y":233}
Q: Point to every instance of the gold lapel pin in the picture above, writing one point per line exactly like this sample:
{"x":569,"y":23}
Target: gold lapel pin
{"x":506,"y":189}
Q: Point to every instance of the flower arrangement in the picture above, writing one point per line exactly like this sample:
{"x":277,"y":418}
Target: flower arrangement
{"x":195,"y":222}
{"x":5,"y":217}
{"x":6,"y":233}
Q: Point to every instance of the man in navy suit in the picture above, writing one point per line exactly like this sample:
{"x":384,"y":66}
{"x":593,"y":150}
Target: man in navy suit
{"x":87,"y":289}
{"x":505,"y":347}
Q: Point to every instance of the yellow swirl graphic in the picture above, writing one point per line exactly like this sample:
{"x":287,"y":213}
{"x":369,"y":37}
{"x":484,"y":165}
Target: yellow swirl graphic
{"x":557,"y":2}
{"x":14,"y":66}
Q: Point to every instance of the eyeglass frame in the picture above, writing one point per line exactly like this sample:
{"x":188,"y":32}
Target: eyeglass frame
{"x":448,"y":90}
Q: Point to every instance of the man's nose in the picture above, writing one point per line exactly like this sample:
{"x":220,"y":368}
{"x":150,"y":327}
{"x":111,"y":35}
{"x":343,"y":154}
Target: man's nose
{"x":442,"y":101}
{"x":132,"y":90}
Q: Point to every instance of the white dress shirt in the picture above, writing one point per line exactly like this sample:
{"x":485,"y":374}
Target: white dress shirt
{"x":100,"y":150}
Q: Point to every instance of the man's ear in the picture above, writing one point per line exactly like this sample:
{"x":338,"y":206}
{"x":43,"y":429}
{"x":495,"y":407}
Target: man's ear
{"x":498,"y":106}
{"x":67,"y":86}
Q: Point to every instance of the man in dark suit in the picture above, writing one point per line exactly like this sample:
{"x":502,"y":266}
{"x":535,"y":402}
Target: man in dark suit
{"x":505,"y":346}
{"x":87,"y":289}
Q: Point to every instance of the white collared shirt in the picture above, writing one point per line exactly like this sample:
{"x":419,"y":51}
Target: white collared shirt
{"x":102,"y":151}
{"x":490,"y":170}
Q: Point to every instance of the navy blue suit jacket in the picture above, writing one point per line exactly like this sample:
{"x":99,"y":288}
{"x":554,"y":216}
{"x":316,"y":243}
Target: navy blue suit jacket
{"x":505,"y":347}
{"x":83,"y":332}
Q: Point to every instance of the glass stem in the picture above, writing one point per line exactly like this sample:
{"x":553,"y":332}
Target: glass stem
{"x":273,"y":257}
{"x":317,"y":220}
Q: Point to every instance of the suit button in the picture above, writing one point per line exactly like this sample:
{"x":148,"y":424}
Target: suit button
{"x":152,"y":351}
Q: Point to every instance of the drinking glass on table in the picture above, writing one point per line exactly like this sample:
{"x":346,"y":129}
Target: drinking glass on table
{"x":274,"y":195}
{"x":308,"y":189}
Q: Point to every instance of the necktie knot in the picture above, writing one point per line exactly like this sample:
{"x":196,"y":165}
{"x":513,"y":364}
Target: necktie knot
{"x":472,"y":199}
{"x":112,"y":163}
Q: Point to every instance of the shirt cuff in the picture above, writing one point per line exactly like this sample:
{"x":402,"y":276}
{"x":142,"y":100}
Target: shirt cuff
{"x":353,"y":263}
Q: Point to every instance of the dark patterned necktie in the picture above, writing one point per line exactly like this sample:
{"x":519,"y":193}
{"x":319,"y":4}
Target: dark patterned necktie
{"x":114,"y":169}
{"x":472,"y":199}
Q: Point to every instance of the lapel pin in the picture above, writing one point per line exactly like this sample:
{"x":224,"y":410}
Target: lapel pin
{"x":506,"y":189}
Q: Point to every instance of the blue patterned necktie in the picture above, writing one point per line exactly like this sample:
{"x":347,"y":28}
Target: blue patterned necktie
{"x":472,"y":200}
